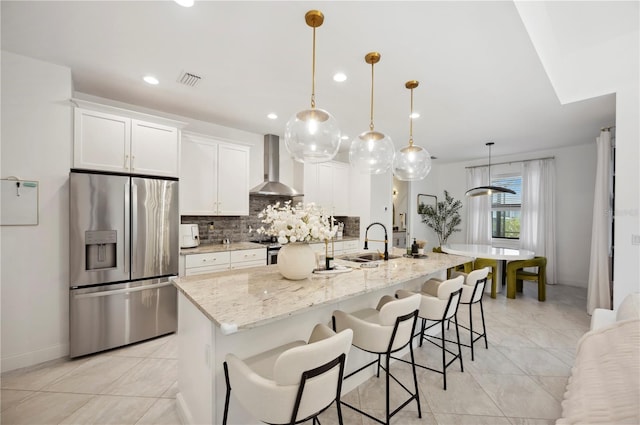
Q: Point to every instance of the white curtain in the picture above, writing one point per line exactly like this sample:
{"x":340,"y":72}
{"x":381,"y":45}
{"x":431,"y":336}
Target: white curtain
{"x":478,"y":208}
{"x":537,"y":220}
{"x":599,"y":295}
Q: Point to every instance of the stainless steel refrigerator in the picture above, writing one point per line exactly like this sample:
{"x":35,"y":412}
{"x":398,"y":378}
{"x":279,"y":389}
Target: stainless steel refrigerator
{"x":123,"y":244}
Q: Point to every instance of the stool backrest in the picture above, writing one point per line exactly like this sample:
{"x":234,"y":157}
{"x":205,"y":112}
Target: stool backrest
{"x":289,"y":366}
{"x":452,"y":304}
{"x":448,"y":286}
{"x":391,"y":311}
{"x":478,"y":280}
{"x":317,"y":368}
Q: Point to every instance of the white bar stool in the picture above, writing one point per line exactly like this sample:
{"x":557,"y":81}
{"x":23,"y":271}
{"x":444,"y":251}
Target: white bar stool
{"x":292,"y":383}
{"x":383,"y":331}
{"x":472,"y":292}
{"x":439,"y":304}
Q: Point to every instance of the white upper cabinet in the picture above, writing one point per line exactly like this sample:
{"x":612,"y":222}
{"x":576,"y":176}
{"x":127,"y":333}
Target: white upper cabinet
{"x":101,"y":141}
{"x":341,"y":184}
{"x":327,"y":184}
{"x":233,"y":180}
{"x":214,"y":177}
{"x":198,"y":177}
{"x":154,"y":149}
{"x":111,"y":142}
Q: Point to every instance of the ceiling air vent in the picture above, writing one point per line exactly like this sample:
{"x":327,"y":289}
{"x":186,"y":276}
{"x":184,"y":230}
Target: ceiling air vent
{"x":189,"y":79}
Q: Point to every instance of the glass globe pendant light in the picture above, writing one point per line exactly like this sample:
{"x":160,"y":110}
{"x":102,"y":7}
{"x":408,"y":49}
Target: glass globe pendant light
{"x":412,"y":162}
{"x":371,"y":152}
{"x":312,"y":135}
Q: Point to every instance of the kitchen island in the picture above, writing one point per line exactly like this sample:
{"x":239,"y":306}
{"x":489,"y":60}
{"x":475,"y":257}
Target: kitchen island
{"x":249,"y":311}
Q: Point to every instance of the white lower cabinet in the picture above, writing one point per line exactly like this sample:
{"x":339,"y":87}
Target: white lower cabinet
{"x":194,"y":264}
{"x":351,"y":246}
{"x":206,"y":263}
{"x":248,"y":258}
{"x":340,"y":247}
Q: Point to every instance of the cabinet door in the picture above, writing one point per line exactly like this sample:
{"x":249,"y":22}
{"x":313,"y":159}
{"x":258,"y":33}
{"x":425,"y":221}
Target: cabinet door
{"x":233,"y":180}
{"x":340,"y":185}
{"x":310,"y":186}
{"x":154,"y":149}
{"x":101,"y":141}
{"x":325,"y":186}
{"x":198,"y":177}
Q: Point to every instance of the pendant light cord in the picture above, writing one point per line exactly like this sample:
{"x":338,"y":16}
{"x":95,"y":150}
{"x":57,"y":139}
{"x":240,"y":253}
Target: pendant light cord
{"x":313,"y":72}
{"x":411,"y":122}
{"x":490,"y":163}
{"x":371,"y":121}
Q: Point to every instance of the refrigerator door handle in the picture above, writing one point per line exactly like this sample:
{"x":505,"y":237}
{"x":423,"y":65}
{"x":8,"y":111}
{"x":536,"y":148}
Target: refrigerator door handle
{"x":134,"y":226}
{"x":127,"y":228}
{"x":122,"y":291}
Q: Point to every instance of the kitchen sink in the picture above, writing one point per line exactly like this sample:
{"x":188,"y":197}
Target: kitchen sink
{"x":365,"y":258}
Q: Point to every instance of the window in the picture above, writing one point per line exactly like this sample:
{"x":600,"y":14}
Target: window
{"x":505,"y":207}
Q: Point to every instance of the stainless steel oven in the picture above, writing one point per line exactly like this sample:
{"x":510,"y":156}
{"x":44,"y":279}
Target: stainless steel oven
{"x":272,"y":250}
{"x":272,"y":254}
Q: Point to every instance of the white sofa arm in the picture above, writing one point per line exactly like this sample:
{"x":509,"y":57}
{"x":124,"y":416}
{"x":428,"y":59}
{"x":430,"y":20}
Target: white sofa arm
{"x":602,"y":317}
{"x":629,"y":308}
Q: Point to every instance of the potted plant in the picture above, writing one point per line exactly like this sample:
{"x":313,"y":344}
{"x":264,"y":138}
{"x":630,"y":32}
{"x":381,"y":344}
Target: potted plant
{"x":443,"y":218}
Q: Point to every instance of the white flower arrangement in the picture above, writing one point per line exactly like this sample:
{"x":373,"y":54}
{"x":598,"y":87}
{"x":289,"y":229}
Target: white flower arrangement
{"x":300,"y":223}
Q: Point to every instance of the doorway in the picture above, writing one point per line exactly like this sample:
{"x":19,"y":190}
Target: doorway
{"x":400,"y":209}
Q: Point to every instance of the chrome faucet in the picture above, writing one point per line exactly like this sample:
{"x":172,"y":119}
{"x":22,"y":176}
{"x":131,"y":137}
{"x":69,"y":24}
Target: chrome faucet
{"x":386,"y":240}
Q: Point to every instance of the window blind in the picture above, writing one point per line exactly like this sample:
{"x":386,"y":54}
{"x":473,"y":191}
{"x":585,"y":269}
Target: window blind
{"x":507,"y":200}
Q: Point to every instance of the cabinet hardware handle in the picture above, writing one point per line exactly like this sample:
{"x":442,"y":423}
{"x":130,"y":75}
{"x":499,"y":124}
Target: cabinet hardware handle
{"x":126,"y":161}
{"x":133,"y":158}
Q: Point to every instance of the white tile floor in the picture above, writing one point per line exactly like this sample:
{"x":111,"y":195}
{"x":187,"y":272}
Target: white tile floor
{"x":519,"y":380}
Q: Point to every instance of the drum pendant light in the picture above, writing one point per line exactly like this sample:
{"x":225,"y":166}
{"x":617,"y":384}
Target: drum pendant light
{"x":371,"y":152}
{"x":312,"y":135}
{"x":412,"y":162}
{"x":488,"y":190}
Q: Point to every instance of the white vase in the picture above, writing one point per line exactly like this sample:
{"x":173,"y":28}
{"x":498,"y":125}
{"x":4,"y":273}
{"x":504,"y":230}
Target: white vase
{"x":296,"y":261}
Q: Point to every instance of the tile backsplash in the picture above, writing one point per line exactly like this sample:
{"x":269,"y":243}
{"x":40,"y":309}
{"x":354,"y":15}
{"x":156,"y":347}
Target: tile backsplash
{"x":236,"y":228}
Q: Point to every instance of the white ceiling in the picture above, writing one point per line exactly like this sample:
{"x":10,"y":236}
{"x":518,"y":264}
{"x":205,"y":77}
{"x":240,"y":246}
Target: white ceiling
{"x":480,"y":77}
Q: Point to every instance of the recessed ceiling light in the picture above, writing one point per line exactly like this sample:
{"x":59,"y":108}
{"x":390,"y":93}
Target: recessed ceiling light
{"x":184,"y":3}
{"x":345,"y":137}
{"x":150,"y":79}
{"x":339,"y":77}
{"x":415,"y":115}
{"x":272,"y":116}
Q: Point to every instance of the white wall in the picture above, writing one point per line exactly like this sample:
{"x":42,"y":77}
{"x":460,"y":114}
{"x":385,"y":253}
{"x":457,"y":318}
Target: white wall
{"x":381,"y":209}
{"x":575,"y":174}
{"x":36,"y":145}
{"x":590,"y":49}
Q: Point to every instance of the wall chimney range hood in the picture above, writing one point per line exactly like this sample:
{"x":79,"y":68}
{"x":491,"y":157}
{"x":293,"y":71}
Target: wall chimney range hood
{"x":271,"y":185}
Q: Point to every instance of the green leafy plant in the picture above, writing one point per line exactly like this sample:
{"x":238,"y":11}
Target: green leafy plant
{"x":443,"y":218}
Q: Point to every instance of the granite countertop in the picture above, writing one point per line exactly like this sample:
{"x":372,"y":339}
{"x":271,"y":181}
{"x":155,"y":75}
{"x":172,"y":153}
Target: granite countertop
{"x":220,"y":247}
{"x":247,"y":298}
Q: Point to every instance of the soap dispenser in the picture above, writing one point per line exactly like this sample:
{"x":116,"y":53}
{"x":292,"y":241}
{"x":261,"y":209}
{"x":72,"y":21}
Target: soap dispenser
{"x":414,"y":247}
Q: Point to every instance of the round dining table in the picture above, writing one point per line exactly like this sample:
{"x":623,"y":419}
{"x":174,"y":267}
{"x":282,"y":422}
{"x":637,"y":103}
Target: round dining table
{"x":491,"y":252}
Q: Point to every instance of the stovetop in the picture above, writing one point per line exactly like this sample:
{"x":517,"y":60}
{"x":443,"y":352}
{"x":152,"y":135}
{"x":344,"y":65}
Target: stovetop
{"x":268,"y":243}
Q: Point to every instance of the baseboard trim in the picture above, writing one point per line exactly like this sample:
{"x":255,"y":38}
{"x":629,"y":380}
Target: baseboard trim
{"x":183,"y":410}
{"x":32,"y":358}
